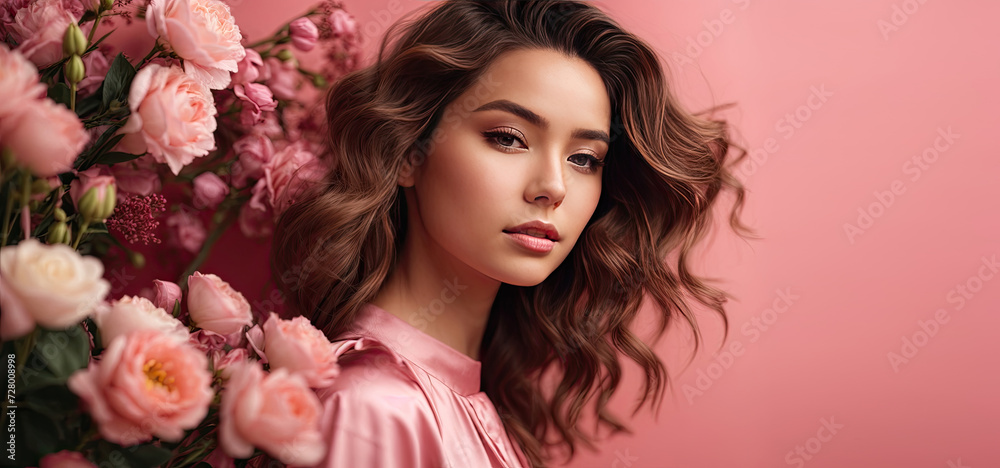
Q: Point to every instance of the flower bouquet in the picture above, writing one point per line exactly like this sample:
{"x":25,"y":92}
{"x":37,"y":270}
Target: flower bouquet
{"x":96,"y":149}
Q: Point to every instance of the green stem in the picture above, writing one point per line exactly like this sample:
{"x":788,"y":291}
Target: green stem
{"x":150,"y":56}
{"x":24,"y":349}
{"x":72,"y":97}
{"x":6,"y":215}
{"x":90,"y":435}
{"x":230,"y":215}
{"x":79,"y":235}
{"x":97,"y":21}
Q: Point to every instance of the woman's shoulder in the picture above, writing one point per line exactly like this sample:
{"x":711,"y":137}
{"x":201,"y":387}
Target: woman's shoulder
{"x":373,"y":375}
{"x":375,"y":413}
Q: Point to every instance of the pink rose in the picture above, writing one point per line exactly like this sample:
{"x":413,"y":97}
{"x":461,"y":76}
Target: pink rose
{"x":167,"y":294}
{"x":270,"y":127}
{"x":97,"y":178}
{"x":209,"y":190}
{"x":253,"y":152}
{"x":30,"y":273}
{"x":18,"y":82}
{"x":44,"y":136}
{"x":137,"y":176}
{"x":286,"y":176}
{"x":248,"y":70}
{"x":187,"y":230}
{"x":256,"y":223}
{"x":258,"y":97}
{"x":342,"y":24}
{"x":131,"y":313}
{"x":215,"y":306}
{"x":173,"y":116}
{"x":38,"y":30}
{"x":235,"y":357}
{"x":207,"y":341}
{"x":203,"y":33}
{"x":146,"y":384}
{"x":301,"y":348}
{"x":282,"y":77}
{"x":97,"y":66}
{"x":278,"y":401}
{"x":304,"y":34}
{"x":65,"y":459}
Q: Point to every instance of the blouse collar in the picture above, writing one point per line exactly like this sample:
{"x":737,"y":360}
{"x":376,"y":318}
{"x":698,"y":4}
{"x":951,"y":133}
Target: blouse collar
{"x":459,"y":372}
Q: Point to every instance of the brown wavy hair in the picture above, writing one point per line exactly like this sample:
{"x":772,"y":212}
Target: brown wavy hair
{"x":333,"y":250}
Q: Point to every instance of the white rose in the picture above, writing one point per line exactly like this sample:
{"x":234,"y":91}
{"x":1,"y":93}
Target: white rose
{"x":56,"y":286}
{"x":131,"y":313}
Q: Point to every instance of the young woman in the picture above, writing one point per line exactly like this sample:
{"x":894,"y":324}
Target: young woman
{"x":508,"y":179}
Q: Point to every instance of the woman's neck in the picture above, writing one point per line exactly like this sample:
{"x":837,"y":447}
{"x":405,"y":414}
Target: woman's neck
{"x":446,"y":301}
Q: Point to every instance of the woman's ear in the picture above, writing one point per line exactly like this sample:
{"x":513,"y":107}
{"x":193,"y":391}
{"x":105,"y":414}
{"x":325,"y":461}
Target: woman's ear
{"x":407,"y":174}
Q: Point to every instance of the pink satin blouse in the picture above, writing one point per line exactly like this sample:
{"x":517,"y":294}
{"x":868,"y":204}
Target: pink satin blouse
{"x":405,"y":399}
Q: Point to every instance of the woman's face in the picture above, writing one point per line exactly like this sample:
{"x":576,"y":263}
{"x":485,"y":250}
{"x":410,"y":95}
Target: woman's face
{"x":522,"y":144}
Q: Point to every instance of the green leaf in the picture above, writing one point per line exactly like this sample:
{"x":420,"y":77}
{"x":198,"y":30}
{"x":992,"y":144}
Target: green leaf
{"x":39,"y":436}
{"x":118,"y":81}
{"x":147,"y":455}
{"x":89,"y":104}
{"x":116,"y":157}
{"x":105,"y":142}
{"x":65,"y":351}
{"x":54,"y":401}
{"x":60,"y":93}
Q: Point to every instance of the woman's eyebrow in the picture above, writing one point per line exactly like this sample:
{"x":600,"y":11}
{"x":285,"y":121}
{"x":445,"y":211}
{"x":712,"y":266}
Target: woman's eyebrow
{"x":539,"y":121}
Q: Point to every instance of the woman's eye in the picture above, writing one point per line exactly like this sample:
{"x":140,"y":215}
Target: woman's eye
{"x":504,"y":139}
{"x":587,"y":161}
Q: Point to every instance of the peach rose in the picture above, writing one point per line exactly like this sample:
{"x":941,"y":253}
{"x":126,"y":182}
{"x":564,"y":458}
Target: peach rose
{"x":301,"y":348}
{"x":173,"y":117}
{"x":146,"y":384}
{"x":131,"y":313}
{"x":65,"y":459}
{"x":215,"y":306}
{"x":203,"y":33}
{"x":38,"y":29}
{"x":209,"y":190}
{"x":280,"y":402}
{"x":52,"y":285}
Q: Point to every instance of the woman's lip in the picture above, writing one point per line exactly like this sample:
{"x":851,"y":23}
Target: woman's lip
{"x":532,"y":243}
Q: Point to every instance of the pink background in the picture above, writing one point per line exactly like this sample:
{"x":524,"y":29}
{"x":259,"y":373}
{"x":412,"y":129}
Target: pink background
{"x":893,"y":73}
